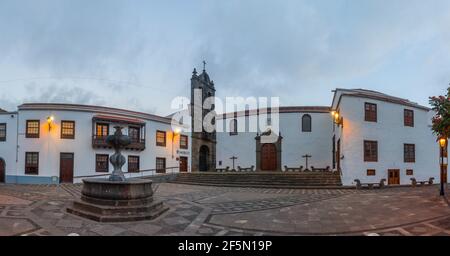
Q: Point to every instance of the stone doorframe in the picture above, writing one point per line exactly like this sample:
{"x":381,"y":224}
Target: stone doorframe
{"x":259,"y":146}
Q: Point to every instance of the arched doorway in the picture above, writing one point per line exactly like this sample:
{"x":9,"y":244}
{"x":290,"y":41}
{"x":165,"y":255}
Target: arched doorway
{"x":2,"y":170}
{"x":268,"y":157}
{"x":203,"y":164}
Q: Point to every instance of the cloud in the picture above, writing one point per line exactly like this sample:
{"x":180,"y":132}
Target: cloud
{"x":138,"y":54}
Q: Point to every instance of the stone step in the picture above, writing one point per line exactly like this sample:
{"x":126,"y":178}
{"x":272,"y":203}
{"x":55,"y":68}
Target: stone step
{"x":254,"y":178}
{"x":118,"y":218}
{"x":262,"y":179}
{"x":259,"y":178}
{"x":268,"y":186}
{"x":263,"y":175}
{"x":115,"y":210}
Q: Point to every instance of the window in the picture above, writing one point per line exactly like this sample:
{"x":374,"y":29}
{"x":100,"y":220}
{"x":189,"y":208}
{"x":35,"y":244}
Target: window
{"x":370,"y":151}
{"x":133,"y":163}
{"x":160,"y":165}
{"x":32,"y":163}
{"x":306,"y":123}
{"x":370,"y":112}
{"x":409,"y":172}
{"x":184,"y":142}
{"x":269,"y":121}
{"x":409,"y":153}
{"x":134,"y":133}
{"x":3,"y":132}
{"x":371,"y":172}
{"x":233,"y":127}
{"x":102,"y":130}
{"x":67,"y":130}
{"x":408,"y":116}
{"x":101,"y":163}
{"x":160,"y":138}
{"x":32,"y":129}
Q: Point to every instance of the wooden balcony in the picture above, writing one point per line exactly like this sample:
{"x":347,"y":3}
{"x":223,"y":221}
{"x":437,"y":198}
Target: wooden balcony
{"x":100,"y":142}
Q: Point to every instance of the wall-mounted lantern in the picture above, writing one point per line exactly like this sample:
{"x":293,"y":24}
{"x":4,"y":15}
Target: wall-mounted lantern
{"x":175,"y":132}
{"x":337,"y":118}
{"x":50,"y":120}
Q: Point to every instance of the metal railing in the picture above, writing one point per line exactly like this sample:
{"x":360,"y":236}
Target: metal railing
{"x":100,"y":141}
{"x":140,"y":173}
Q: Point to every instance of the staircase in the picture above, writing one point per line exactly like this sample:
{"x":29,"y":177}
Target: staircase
{"x":263,"y":179}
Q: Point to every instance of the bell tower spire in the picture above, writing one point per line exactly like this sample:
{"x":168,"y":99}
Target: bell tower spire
{"x":203,"y":142}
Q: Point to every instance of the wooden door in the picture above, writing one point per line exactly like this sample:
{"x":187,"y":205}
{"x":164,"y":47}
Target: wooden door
{"x":393,"y":177}
{"x":2,"y":170}
{"x":66,"y":168}
{"x":204,"y":159}
{"x":183,"y":164}
{"x":268,"y":157}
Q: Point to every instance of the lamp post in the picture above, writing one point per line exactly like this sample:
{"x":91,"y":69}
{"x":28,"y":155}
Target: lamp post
{"x":442,"y":144}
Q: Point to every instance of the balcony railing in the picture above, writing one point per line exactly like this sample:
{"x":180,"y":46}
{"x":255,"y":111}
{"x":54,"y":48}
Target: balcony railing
{"x":100,"y":142}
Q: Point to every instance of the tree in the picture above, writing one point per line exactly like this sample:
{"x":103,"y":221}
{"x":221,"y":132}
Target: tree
{"x":441,"y":119}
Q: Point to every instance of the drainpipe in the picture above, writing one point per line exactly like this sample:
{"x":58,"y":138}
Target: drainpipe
{"x":17,"y":143}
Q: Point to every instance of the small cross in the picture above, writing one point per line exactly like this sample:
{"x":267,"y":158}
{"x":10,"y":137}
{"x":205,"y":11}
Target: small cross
{"x":204,"y":65}
{"x":233,"y":158}
{"x":306,"y":157}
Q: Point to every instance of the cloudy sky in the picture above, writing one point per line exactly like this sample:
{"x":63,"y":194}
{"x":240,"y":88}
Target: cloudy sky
{"x":140,"y":54}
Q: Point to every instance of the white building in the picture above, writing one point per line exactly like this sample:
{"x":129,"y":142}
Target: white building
{"x":52,"y":143}
{"x":384,"y":137}
{"x":303,"y":130}
{"x":372,"y":136}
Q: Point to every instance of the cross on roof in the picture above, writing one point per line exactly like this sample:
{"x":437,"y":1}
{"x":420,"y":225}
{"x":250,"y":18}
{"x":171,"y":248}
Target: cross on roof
{"x":204,"y":65}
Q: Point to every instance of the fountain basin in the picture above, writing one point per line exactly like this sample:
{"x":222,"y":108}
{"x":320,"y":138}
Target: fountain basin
{"x":117,"y":190}
{"x":117,"y":201}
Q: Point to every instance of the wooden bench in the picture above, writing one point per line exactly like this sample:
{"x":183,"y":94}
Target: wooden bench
{"x":227,"y":169}
{"x":370,"y":185}
{"x":293,"y":169}
{"x":415,"y":182}
{"x":327,"y":169}
{"x":248,"y":169}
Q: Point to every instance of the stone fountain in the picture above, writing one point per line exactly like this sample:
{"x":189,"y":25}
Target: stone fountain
{"x":116,"y":198}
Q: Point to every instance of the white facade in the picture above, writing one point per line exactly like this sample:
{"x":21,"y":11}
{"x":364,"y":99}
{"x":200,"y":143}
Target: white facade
{"x":50,"y":145}
{"x":389,"y":131}
{"x":294,"y":144}
{"x":8,"y":147}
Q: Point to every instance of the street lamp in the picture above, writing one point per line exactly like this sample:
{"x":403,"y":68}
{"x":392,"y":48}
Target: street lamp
{"x":443,"y":144}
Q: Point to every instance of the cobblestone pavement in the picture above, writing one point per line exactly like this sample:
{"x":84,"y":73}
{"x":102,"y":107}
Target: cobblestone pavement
{"x":39,"y":210}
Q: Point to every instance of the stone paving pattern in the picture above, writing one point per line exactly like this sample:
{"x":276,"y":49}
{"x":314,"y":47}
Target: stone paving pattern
{"x":39,"y":210}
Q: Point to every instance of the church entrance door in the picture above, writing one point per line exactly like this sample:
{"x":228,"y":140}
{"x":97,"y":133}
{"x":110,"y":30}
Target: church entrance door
{"x":203,"y":159}
{"x":268,"y":157}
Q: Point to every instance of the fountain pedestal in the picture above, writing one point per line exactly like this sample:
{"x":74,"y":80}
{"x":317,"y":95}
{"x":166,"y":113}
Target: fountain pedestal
{"x":117,"y":199}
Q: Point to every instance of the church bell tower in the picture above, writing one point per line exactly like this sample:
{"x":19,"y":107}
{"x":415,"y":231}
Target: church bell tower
{"x":203,"y":147}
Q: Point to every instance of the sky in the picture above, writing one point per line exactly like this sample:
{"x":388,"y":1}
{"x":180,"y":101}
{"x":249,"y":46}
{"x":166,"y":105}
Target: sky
{"x":139,"y":55}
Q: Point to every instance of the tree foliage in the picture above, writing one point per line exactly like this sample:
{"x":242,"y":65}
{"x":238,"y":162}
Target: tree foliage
{"x":441,"y":119}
